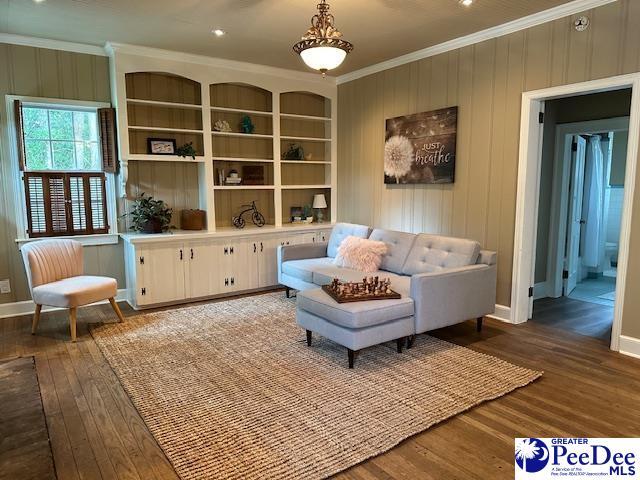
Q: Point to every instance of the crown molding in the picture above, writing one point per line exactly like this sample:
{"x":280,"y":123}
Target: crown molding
{"x":38,"y":42}
{"x":561,"y":11}
{"x":112,"y":48}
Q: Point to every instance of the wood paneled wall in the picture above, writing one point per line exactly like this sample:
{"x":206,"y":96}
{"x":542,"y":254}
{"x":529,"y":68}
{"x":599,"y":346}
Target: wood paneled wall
{"x":41,"y":72}
{"x":486,"y":81}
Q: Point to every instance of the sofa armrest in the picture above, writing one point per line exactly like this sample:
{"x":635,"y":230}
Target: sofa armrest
{"x":301,"y":251}
{"x":454,"y":295}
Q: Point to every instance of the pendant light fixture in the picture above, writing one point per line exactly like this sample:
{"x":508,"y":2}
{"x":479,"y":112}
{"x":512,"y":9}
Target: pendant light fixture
{"x":322,"y":47}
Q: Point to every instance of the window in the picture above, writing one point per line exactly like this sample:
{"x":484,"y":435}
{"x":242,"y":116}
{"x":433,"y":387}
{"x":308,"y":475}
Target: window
{"x":64,"y":152}
{"x":60,"y":139}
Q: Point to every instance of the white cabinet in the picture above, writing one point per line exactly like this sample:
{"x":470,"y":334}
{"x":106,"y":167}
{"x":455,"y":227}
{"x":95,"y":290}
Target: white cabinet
{"x":202,"y":271}
{"x":161,"y":270}
{"x":178,"y":270}
{"x":268,"y":262}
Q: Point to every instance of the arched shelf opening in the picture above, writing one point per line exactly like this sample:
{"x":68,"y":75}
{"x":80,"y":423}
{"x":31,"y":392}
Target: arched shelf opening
{"x":163,"y":88}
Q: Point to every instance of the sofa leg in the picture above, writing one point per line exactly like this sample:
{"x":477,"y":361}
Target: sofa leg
{"x":351,"y":355}
{"x":309,"y":335}
{"x":410,"y":341}
{"x":479,"y":324}
{"x":288,"y":292}
{"x":399,"y":343}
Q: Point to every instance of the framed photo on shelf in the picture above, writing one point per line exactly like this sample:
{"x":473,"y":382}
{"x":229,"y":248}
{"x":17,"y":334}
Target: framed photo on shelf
{"x":161,"y":146}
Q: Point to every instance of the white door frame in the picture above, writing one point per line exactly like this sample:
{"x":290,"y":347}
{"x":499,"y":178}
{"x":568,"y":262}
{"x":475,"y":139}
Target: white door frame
{"x":560,"y":189}
{"x":529,"y":164}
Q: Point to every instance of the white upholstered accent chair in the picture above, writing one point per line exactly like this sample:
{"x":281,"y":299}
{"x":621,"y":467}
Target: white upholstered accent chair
{"x":55,"y":271}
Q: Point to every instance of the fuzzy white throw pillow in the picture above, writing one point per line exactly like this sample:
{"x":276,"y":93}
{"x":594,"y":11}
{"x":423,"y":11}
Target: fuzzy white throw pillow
{"x":360,"y":254}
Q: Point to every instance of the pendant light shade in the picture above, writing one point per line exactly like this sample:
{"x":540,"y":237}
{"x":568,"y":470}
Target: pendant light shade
{"x":322,"y":47}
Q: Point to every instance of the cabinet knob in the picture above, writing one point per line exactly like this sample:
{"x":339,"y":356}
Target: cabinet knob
{"x":192,"y":254}
{"x":226,"y":251}
{"x":141,"y":260}
{"x":226,"y":282}
{"x":233,"y":280}
{"x":255,"y":248}
{"x":180,"y":254}
{"x":231,"y":250}
{"x":261,"y":247}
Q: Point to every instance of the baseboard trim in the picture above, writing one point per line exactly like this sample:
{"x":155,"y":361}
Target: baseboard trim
{"x":27,"y":307}
{"x":629,"y":346}
{"x":540,"y":290}
{"x":502,"y":313}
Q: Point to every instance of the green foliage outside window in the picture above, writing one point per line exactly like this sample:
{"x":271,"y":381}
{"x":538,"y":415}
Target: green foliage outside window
{"x":60,"y":139}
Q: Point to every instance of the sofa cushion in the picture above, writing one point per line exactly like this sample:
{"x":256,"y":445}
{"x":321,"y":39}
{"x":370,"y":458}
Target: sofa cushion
{"x":342,"y":231}
{"x":361,"y":254}
{"x":398,"y":246}
{"x":356,"y":314}
{"x":431,"y":253}
{"x":303,"y":269}
{"x":323,"y":275}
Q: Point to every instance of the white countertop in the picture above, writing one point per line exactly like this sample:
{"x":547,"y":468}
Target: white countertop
{"x":224,"y":232}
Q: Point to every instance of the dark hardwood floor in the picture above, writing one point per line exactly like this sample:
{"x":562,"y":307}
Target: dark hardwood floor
{"x":586,"y":390}
{"x":584,"y":318}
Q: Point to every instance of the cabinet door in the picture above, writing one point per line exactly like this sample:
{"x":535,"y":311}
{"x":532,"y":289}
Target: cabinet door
{"x":163,"y":274}
{"x":223,"y":254}
{"x":203,"y":270}
{"x":244,"y":271}
{"x":268,"y":262}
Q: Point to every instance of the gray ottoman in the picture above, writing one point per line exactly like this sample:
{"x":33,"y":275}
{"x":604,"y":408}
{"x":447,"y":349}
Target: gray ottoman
{"x":355,"y":325}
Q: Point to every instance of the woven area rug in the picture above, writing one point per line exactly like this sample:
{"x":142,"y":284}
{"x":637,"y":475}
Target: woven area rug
{"x":231,"y":391}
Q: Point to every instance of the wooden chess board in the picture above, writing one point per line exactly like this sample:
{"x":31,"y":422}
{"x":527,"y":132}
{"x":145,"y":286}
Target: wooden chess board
{"x":357,"y":292}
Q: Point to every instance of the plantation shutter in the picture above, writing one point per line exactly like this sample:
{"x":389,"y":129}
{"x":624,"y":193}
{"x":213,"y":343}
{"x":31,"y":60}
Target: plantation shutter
{"x":108,"y":139}
{"x":61,"y":204}
{"x":17,"y":113}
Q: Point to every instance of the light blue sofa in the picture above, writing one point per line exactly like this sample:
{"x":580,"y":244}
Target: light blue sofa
{"x":442,"y":280}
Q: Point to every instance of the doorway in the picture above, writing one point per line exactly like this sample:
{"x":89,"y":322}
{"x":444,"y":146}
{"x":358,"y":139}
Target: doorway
{"x":529,"y":182}
{"x":582,"y":187}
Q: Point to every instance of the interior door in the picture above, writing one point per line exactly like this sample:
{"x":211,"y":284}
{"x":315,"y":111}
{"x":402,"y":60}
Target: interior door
{"x":574,"y":222}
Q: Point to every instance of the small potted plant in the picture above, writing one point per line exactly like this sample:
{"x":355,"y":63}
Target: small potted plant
{"x":149,"y":215}
{"x":308,"y":213}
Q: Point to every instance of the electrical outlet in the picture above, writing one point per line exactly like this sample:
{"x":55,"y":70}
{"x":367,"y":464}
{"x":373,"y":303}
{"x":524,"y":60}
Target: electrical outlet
{"x":5,"y":286}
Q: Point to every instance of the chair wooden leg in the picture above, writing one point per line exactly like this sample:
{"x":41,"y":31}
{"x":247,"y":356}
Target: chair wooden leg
{"x":116,"y":309}
{"x":309,"y":336}
{"x":351,"y":355}
{"x":36,"y":319}
{"x":72,"y":322}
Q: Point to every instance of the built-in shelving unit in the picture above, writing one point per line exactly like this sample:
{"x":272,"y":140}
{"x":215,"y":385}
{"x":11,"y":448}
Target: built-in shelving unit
{"x":205,"y":105}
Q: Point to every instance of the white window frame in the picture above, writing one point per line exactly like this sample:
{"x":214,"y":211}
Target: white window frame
{"x":14,"y":170}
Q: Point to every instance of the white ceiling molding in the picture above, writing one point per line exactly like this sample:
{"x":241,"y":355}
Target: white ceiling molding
{"x":565,"y":10}
{"x":112,"y":47}
{"x":51,"y":44}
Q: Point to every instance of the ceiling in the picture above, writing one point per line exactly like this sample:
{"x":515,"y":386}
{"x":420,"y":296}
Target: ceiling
{"x":261,"y":31}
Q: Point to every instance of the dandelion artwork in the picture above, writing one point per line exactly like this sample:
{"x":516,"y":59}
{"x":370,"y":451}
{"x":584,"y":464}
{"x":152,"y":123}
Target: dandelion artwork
{"x":421,"y":148}
{"x":398,"y":157}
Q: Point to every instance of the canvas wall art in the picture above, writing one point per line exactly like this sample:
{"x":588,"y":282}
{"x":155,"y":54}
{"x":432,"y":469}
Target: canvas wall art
{"x":421,"y":148}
